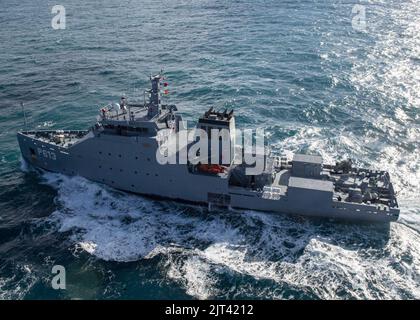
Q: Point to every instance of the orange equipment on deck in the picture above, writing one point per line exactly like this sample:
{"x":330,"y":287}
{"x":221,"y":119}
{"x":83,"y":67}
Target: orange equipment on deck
{"x":211,"y":168}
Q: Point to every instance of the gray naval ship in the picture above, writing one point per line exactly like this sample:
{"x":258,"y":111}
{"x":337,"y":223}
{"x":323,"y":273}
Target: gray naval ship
{"x":120,"y":151}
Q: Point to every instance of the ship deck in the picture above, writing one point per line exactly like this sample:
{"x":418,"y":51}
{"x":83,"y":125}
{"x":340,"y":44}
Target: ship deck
{"x":62,"y":138}
{"x":362,"y":186}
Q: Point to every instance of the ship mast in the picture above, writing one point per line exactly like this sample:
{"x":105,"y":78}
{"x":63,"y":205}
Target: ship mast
{"x":24,"y":115}
{"x":154,"y":101}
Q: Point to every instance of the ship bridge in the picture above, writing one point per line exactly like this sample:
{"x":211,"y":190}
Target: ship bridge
{"x":145,"y":118}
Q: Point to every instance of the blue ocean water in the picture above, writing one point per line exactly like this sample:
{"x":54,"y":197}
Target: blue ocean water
{"x":297,"y":68}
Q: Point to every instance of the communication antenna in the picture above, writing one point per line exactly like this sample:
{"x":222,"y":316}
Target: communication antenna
{"x":24,"y":115}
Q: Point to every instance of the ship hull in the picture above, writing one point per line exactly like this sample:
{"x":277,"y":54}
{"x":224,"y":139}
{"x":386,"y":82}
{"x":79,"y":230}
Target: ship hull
{"x":129,"y":164}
